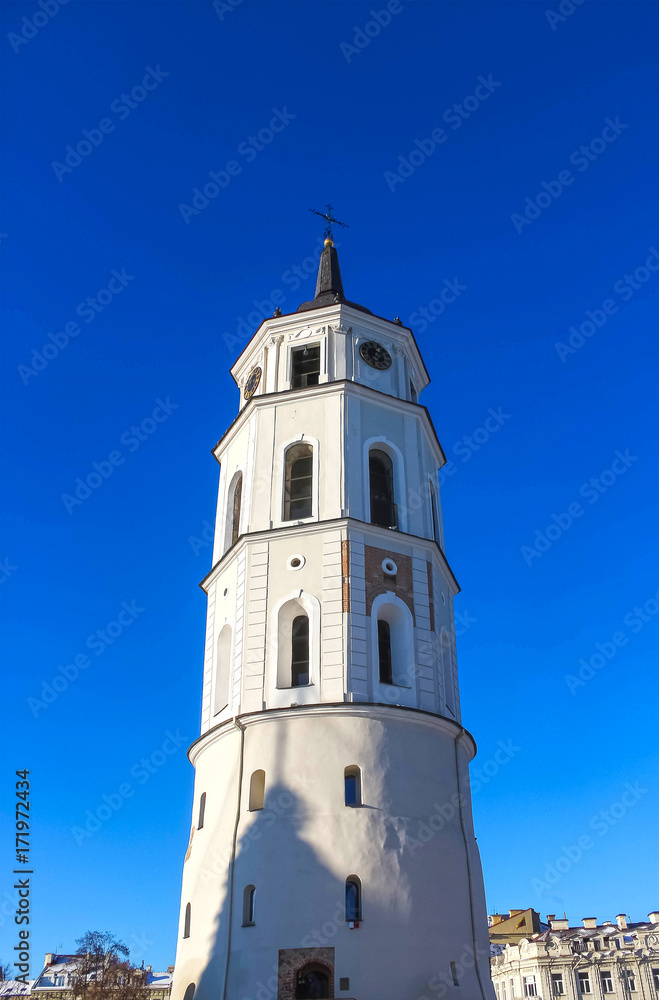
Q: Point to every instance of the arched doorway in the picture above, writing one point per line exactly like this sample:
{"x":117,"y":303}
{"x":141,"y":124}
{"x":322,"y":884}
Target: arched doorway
{"x":312,"y":983}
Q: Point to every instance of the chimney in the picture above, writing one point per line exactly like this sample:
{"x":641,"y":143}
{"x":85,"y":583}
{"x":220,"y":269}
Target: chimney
{"x":559,"y":923}
{"x":494,"y":918}
{"x":621,"y":920}
{"x":148,"y":970}
{"x":170,"y":969}
{"x":512,"y":913}
{"x":550,"y":917}
{"x":654,"y":917}
{"x":49,"y":958}
{"x":589,"y":922}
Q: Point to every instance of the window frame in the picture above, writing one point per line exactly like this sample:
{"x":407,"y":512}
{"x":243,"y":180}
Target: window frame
{"x":357,"y":916}
{"x":381,"y":443}
{"x":354,"y":772}
{"x":315,"y":456}
{"x":249,"y":910}
{"x":256,"y":790}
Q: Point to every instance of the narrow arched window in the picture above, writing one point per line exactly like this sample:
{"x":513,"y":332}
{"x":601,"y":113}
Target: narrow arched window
{"x":186,"y":923}
{"x":202,"y":811}
{"x":298,"y":483}
{"x":235,"y":508}
{"x":300,"y":651}
{"x":434,"y":513}
{"x":353,"y":898}
{"x":413,"y":393}
{"x":256,"y":790}
{"x":384,"y":652}
{"x":222,"y":669}
{"x":189,"y":991}
{"x":447,"y":673}
{"x":352,"y":781}
{"x":249,"y":893}
{"x":381,"y":484}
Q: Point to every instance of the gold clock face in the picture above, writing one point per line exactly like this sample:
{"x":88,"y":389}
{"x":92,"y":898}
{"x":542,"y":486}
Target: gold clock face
{"x":375,"y":355}
{"x":252,"y":382}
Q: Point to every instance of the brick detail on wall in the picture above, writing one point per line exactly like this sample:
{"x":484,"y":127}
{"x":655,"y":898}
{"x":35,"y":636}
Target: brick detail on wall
{"x":345,"y":573}
{"x":377,"y":581}
{"x":293,"y":960}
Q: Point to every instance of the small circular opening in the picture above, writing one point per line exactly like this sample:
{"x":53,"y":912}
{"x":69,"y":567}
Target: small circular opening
{"x":296,"y":562}
{"x":389,"y":567}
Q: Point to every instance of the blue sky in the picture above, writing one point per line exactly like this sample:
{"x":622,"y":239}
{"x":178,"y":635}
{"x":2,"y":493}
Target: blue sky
{"x":537,"y":232}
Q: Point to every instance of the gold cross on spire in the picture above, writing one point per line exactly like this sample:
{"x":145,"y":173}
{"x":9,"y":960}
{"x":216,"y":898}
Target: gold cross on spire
{"x":330,"y":220}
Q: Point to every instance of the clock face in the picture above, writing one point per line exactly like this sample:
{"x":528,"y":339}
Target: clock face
{"x":375,"y":354}
{"x":252,"y":382}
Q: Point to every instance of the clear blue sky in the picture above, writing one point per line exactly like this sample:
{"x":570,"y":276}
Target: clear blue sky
{"x":528,"y":617}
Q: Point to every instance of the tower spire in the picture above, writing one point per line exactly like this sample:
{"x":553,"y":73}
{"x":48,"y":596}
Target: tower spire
{"x":329,"y":284}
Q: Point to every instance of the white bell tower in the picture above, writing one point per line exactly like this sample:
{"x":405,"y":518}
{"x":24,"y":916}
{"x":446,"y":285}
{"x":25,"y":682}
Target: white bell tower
{"x":332,"y":851}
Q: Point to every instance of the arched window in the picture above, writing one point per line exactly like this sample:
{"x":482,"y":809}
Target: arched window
{"x":352,"y":780}
{"x":447,"y":673}
{"x":249,"y":893}
{"x":186,"y":923}
{"x":434,"y":513}
{"x":298,"y":482}
{"x":353,"y":898}
{"x":202,"y":811}
{"x":384,"y":652}
{"x":237,"y":498}
{"x":234,"y":500}
{"x":300,"y":651}
{"x":256,"y":791}
{"x":189,"y":991}
{"x":222,"y":669}
{"x":381,"y":484}
{"x":312,"y":982}
{"x":293,"y":667}
{"x":393,"y":642}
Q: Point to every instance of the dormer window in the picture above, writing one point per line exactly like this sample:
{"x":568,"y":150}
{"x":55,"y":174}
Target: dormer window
{"x":305,"y":366}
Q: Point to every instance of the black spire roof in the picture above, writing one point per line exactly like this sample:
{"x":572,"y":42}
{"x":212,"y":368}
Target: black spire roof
{"x":329,"y":286}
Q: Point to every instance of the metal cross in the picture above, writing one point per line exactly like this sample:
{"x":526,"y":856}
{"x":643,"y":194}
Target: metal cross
{"x":327,"y":216}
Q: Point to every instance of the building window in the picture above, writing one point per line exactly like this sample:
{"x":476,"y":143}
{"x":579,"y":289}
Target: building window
{"x":630,"y":979}
{"x":447,"y":672}
{"x":352,"y":779}
{"x":606,"y":980}
{"x":584,"y":982}
{"x":298,"y":486}
{"x":189,"y":991}
{"x":384,"y":511}
{"x":384,"y":652}
{"x":300,"y":651}
{"x":294,"y":656}
{"x":454,"y":974}
{"x":512,"y":989}
{"x":248,"y":905}
{"x":655,"y":976}
{"x":305,"y":366}
{"x":557,"y":987}
{"x":202,"y":811}
{"x":312,"y":981}
{"x":503,"y":989}
{"x":353,"y":898}
{"x":235,"y":508}
{"x":530,"y":988}
{"x":186,"y":922}
{"x":256,"y":791}
{"x":434,"y":513}
{"x":222,"y":669}
{"x":413,"y":393}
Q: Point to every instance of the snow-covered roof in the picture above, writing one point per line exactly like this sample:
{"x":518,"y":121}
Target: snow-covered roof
{"x":14,"y":987}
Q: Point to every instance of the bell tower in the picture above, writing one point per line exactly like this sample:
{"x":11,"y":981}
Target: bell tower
{"x":332,"y":851}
